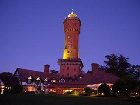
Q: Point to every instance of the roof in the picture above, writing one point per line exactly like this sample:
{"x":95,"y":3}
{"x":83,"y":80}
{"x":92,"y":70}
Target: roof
{"x":25,"y":73}
{"x":1,"y":82}
{"x":98,"y":76}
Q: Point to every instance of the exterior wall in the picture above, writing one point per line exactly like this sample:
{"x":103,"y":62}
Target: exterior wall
{"x":70,"y":70}
{"x":72,"y":30}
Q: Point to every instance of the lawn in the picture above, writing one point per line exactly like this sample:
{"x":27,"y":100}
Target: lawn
{"x":24,"y":99}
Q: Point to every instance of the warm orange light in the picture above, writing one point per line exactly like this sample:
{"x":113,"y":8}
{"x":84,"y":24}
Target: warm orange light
{"x":31,"y":88}
{"x":65,"y":55}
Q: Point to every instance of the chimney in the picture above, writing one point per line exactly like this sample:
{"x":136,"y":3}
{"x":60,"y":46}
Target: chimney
{"x":95,"y":67}
{"x":46,"y":69}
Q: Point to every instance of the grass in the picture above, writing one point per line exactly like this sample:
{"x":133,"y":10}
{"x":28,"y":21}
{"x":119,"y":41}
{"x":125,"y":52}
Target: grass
{"x":37,"y":99}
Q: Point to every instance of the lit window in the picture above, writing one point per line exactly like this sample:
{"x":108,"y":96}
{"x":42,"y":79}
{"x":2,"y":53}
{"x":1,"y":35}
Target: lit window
{"x":29,"y":77}
{"x":53,"y":80}
{"x":29,"y":80}
{"x":46,"y":79}
{"x":38,"y":78}
{"x":80,"y":77}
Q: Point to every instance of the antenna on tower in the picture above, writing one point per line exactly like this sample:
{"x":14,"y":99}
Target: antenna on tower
{"x":72,"y":11}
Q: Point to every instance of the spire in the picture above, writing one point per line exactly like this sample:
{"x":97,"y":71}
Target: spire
{"x":72,"y":11}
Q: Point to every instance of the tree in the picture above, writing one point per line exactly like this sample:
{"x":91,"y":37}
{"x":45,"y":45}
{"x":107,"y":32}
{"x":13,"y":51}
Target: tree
{"x":11,"y":81}
{"x":6,"y":78}
{"x":117,"y":65}
{"x":88,"y":90}
{"x":125,"y":84}
{"x":104,"y":88}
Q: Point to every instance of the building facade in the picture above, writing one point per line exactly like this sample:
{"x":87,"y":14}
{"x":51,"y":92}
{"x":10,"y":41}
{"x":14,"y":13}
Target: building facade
{"x":70,"y":76}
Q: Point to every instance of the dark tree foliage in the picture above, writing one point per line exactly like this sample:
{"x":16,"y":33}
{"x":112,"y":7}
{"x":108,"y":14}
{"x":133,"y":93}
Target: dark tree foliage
{"x":88,"y":91}
{"x":11,"y":81}
{"x":53,"y":71}
{"x":6,"y":78}
{"x":104,"y":88}
{"x":117,"y":65}
{"x":125,"y":84}
{"x":119,"y":86}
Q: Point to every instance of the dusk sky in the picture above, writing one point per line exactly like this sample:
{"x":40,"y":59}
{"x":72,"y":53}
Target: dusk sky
{"x":31,"y":31}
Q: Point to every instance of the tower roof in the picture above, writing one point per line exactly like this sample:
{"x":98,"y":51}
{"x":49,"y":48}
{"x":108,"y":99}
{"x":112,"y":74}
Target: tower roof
{"x":72,"y":14}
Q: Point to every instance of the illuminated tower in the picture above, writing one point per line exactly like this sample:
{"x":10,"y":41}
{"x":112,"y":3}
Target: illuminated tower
{"x":71,"y":64}
{"x":72,"y":26}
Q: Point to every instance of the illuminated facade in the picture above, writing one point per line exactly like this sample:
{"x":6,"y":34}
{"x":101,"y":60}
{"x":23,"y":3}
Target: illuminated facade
{"x":71,"y":64}
{"x":72,"y":26}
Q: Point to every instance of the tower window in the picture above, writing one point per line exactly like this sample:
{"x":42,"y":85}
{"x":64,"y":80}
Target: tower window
{"x":67,"y":68}
{"x":68,"y":74}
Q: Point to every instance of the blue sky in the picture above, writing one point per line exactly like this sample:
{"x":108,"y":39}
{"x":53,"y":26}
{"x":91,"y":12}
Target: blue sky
{"x":31,"y":31}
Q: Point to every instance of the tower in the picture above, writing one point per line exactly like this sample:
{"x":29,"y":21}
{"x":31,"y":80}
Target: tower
{"x":71,"y":64}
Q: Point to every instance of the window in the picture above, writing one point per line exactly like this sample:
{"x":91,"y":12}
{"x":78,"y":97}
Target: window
{"x":29,"y":80}
{"x":62,"y":80}
{"x":53,"y":80}
{"x":45,"y":81}
{"x":38,"y":81}
{"x":68,"y":74}
{"x":38,"y":78}
{"x":67,"y":68}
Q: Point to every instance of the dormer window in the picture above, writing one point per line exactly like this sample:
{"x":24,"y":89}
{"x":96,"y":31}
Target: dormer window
{"x":29,"y":80}
{"x":38,"y":78}
{"x":38,"y":81}
{"x":45,"y":81}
